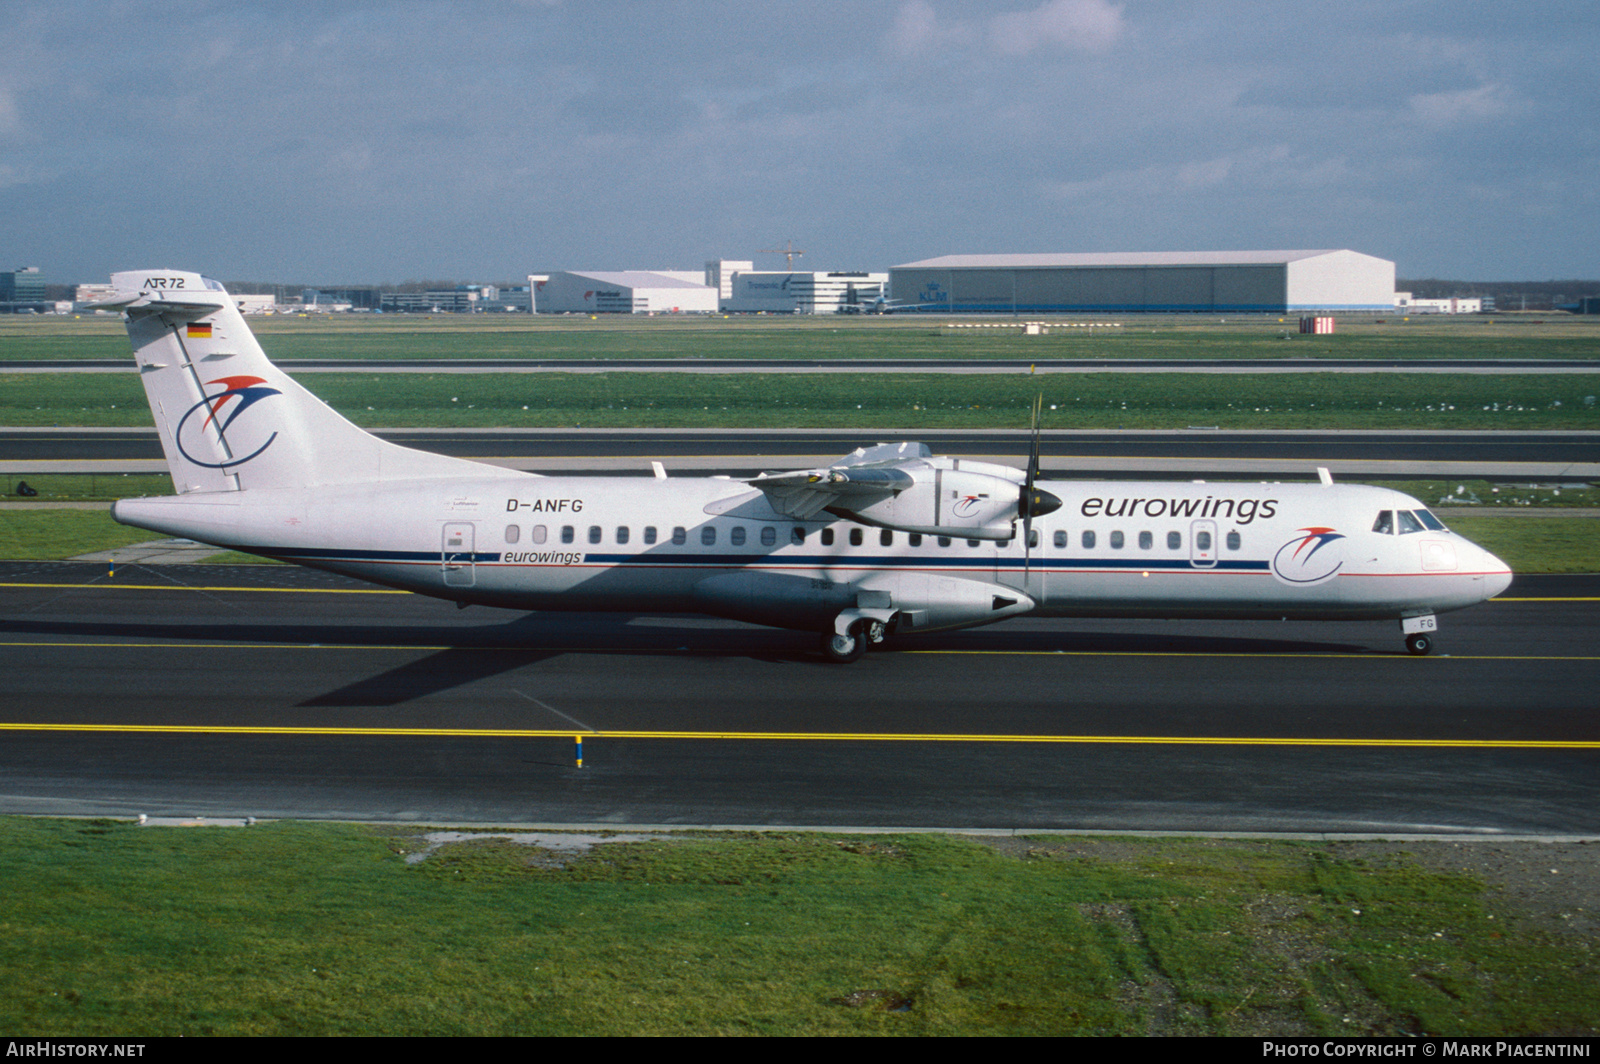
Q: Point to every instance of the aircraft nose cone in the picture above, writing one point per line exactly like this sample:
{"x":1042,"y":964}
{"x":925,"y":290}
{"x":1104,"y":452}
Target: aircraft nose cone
{"x":1496,"y":582}
{"x":1039,"y":502}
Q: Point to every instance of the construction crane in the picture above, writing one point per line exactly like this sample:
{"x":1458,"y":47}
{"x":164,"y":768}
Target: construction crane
{"x":787,"y":251}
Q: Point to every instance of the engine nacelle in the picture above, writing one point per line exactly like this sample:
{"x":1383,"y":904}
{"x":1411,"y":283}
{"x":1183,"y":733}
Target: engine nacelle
{"x":967,"y":503}
{"x":905,"y":487}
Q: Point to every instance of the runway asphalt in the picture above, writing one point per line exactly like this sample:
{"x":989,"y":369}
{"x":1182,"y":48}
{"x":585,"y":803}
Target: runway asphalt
{"x":277,"y":691}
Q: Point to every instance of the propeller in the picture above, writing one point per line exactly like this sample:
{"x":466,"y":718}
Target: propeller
{"x":1033,"y":501}
{"x":1030,"y":501}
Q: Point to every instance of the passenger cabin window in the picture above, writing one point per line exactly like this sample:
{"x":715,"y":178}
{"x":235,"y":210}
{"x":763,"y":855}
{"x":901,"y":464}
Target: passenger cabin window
{"x":736,"y":537}
{"x":568,"y":533}
{"x":944,"y":541}
{"x":1116,"y":541}
{"x":708,"y":535}
{"x":886,"y":538}
{"x":680,"y":536}
{"x":649,"y":533}
{"x":1087,"y":539}
{"x":1146,"y":541}
{"x":769,"y":536}
{"x":1175,"y":540}
{"x":797,"y":535}
{"x":1234,"y":541}
{"x":1033,"y":537}
{"x":827,"y":537}
{"x":973,"y":542}
{"x":513,"y":533}
{"x":855,"y":537}
{"x":594,"y":533}
{"x":540,"y":533}
{"x":915,"y":539}
{"x":622,"y":533}
{"x":1202,"y":541}
{"x":1061,"y":539}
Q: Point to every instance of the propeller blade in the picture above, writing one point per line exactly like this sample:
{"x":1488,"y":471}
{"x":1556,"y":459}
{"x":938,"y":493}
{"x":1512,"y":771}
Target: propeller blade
{"x":1028,"y":503}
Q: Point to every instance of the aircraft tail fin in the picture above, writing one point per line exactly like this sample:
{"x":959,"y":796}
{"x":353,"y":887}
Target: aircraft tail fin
{"x":228,"y":418}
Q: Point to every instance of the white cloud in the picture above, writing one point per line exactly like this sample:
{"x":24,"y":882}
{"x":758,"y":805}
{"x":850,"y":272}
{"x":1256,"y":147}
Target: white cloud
{"x":1073,"y":25}
{"x":1464,"y":105}
{"x":1078,"y":25}
{"x":918,"y":31}
{"x":1269,"y":168}
{"x":10,"y":120}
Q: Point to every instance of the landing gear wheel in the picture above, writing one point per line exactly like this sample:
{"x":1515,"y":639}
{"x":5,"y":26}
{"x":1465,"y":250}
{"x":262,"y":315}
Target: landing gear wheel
{"x":843,"y":649}
{"x":1418,"y":644}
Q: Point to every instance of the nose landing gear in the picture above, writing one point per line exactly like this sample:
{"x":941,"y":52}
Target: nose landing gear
{"x":1418,"y":632}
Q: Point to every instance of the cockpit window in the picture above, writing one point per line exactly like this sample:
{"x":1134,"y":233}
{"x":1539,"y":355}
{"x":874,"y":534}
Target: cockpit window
{"x":1384,"y":525}
{"x":1433,"y":523}
{"x":212,"y":286}
{"x":1408,"y":522}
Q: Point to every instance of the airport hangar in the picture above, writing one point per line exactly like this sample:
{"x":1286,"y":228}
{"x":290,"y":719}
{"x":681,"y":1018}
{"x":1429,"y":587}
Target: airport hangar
{"x":1240,"y":282}
{"x":624,"y":292}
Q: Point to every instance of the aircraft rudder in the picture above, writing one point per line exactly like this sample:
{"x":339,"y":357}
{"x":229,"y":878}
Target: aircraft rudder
{"x":229,"y":419}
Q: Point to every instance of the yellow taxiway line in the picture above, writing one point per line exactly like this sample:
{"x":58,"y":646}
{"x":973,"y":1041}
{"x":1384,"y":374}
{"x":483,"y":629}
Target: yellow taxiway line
{"x":893,"y":737}
{"x":182,"y":645}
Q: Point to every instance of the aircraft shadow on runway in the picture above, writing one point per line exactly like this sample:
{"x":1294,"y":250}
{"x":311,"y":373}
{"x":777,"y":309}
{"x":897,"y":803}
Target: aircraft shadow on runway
{"x":480,"y":651}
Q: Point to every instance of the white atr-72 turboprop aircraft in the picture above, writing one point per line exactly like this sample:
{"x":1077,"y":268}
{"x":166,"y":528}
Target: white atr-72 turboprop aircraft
{"x":888,"y":539}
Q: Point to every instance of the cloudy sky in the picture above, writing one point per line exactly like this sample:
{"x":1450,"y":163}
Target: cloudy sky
{"x":365,"y":142}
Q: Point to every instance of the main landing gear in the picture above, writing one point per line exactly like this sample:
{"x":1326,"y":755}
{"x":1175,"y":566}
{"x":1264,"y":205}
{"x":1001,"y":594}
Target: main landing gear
{"x":1419,"y":633}
{"x":859,"y":633}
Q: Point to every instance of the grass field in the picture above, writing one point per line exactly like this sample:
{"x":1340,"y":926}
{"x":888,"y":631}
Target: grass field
{"x":52,"y":535}
{"x":833,"y":337}
{"x":286,"y":928}
{"x":885,"y":401}
{"x":902,"y":402}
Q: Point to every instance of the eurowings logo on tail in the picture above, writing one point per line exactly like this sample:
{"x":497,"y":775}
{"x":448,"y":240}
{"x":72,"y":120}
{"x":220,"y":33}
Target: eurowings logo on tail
{"x":1303,"y":560}
{"x":248,"y":391}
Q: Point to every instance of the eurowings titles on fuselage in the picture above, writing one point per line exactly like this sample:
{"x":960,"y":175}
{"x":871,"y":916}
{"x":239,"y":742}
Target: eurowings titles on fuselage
{"x":890,"y":538}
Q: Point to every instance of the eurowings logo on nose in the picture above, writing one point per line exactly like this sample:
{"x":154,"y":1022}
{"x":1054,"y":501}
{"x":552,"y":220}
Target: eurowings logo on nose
{"x":239,"y":394}
{"x":1311,"y":558}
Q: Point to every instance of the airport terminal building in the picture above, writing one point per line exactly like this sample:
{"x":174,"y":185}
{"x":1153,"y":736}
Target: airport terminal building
{"x":1239,"y":282}
{"x":804,"y":293}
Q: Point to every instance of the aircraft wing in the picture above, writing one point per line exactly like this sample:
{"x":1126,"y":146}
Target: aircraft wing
{"x":864,"y":477}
